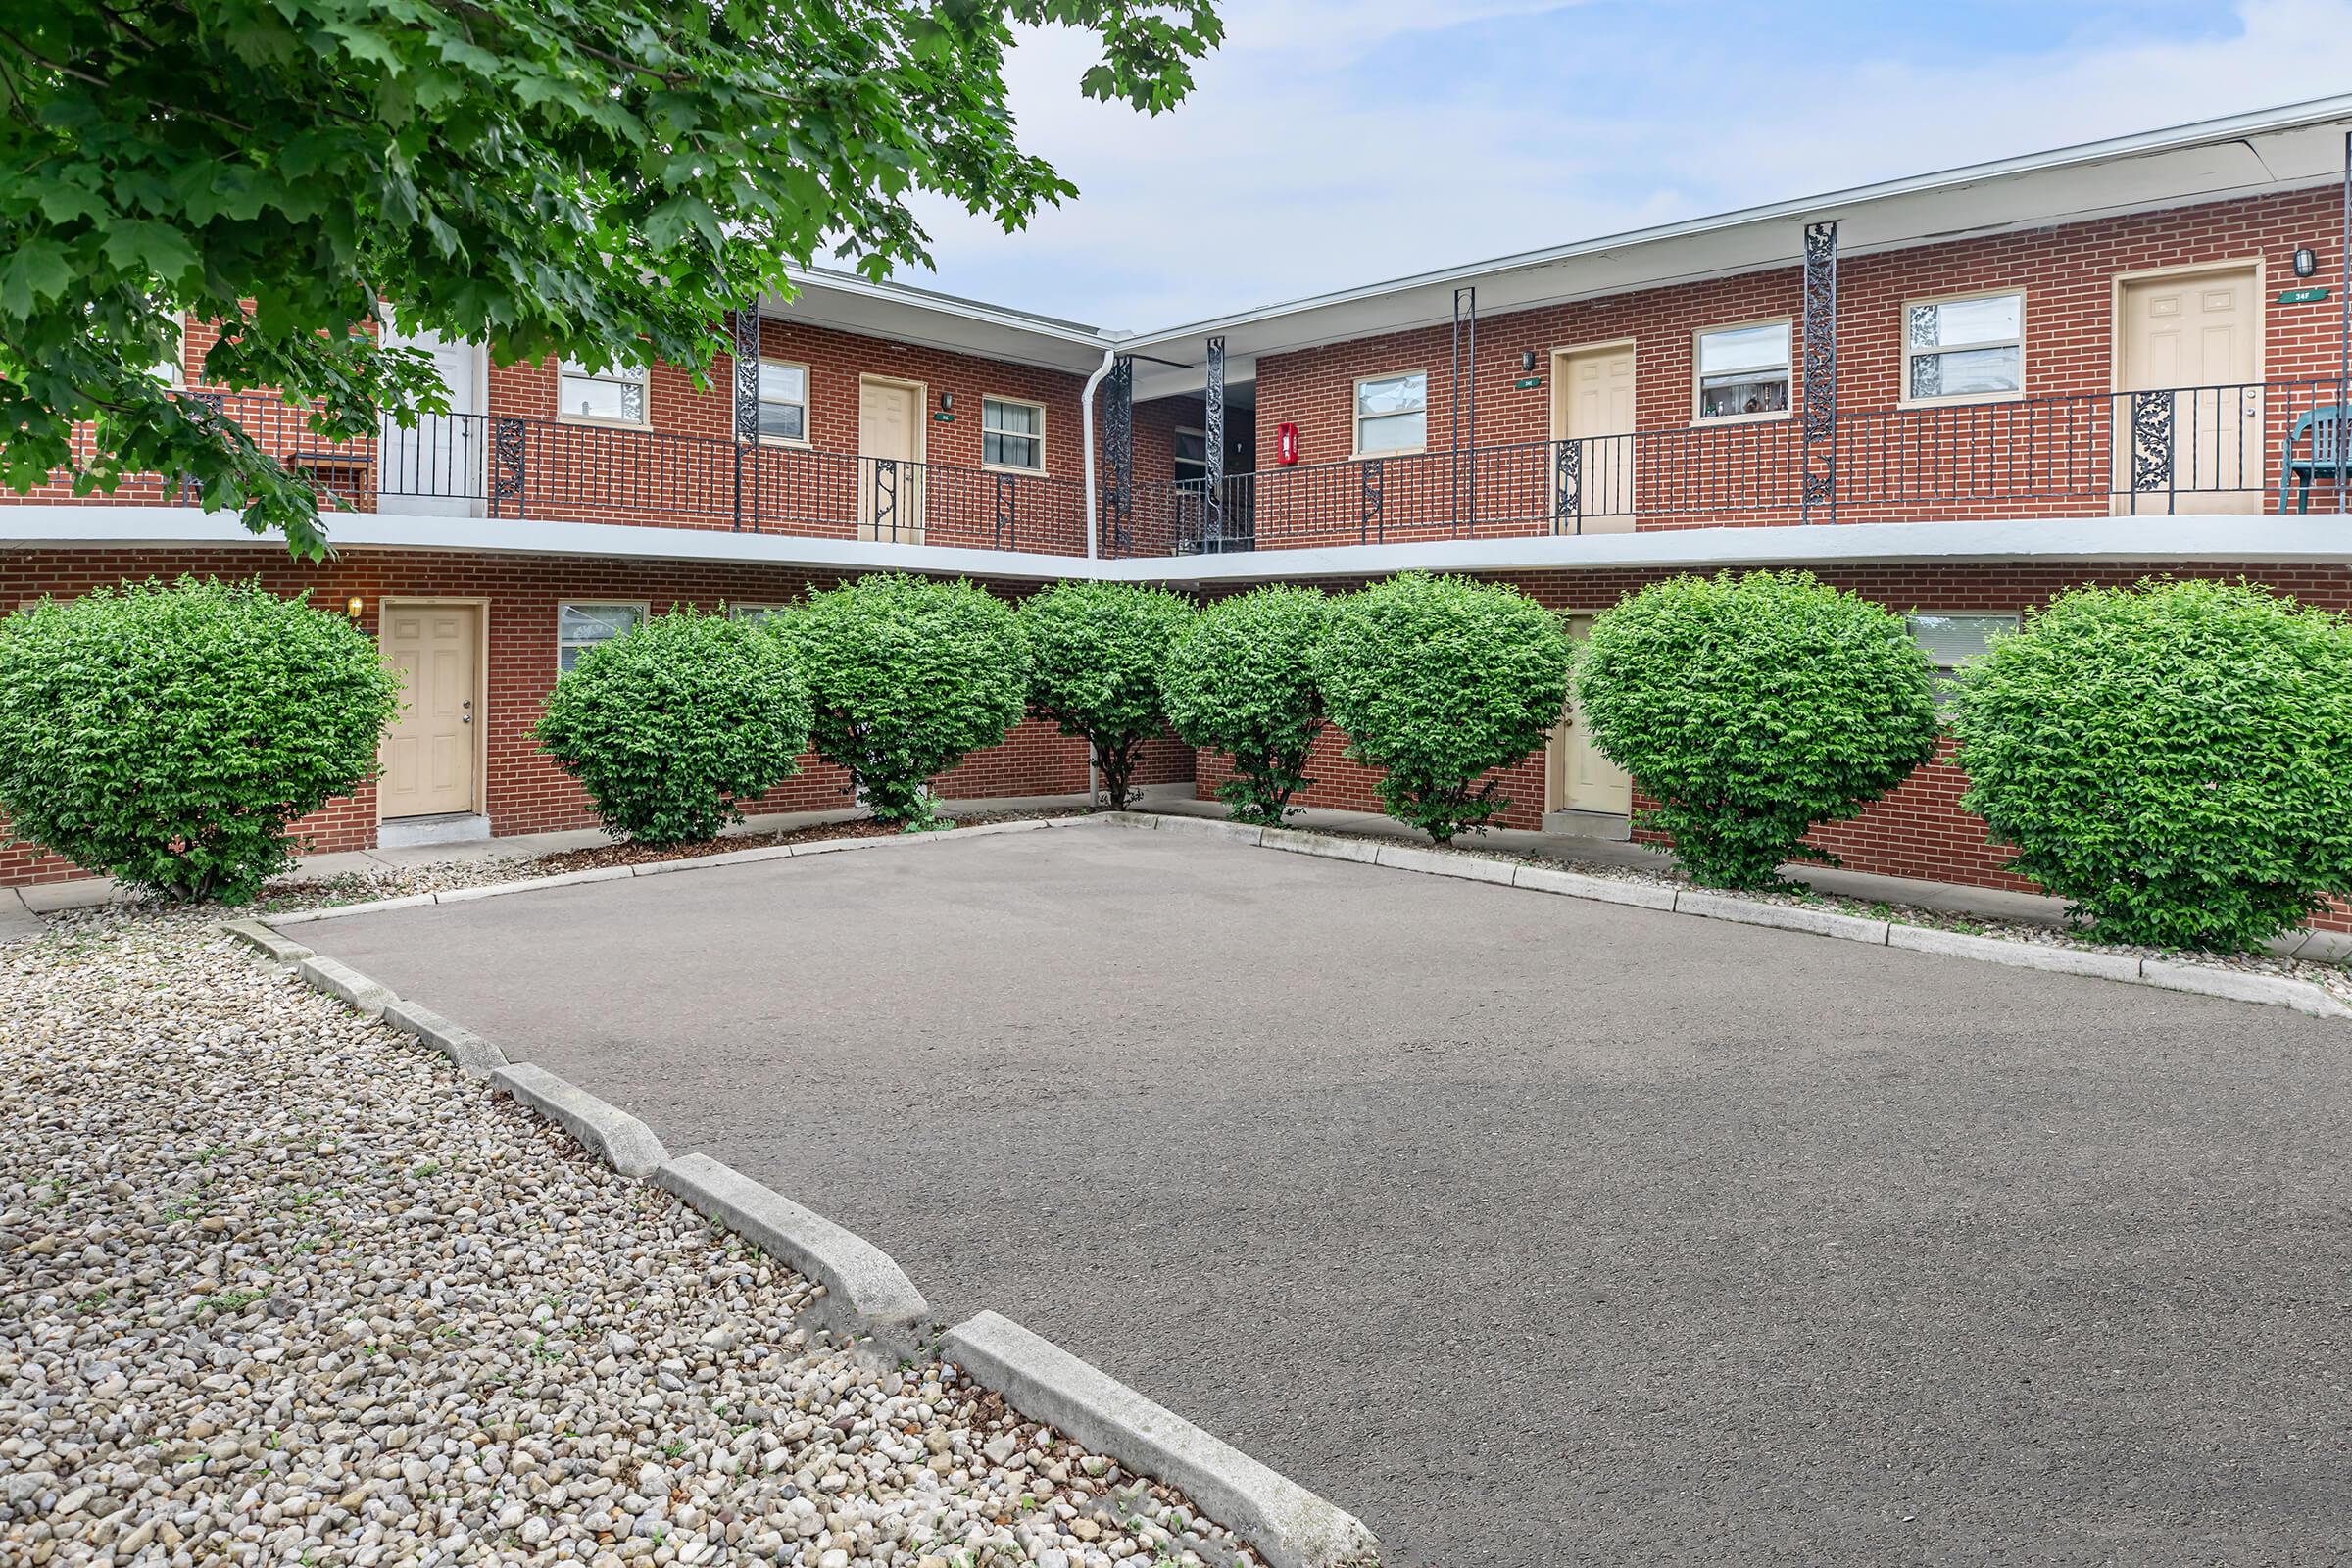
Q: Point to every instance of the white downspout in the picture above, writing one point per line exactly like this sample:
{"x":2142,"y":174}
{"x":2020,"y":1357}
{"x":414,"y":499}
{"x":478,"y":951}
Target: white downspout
{"x":1086,"y":419}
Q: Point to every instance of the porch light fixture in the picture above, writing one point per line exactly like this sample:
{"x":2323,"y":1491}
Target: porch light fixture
{"x":2307,"y":262}
{"x":1527,"y":362}
{"x":946,"y":402}
{"x":354,"y":607}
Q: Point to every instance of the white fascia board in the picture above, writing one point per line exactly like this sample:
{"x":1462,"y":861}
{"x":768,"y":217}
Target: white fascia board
{"x":179,"y":527}
{"x":2182,"y":164}
{"x":2253,"y":540}
{"x":2153,"y":540}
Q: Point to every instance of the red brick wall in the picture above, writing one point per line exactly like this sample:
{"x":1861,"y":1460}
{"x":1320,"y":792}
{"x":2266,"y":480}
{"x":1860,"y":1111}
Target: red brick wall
{"x":2068,"y":276}
{"x":811,"y":489}
{"x":524,"y":792}
{"x":1918,"y":829}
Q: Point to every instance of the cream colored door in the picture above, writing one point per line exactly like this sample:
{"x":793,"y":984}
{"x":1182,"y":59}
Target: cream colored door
{"x":2196,"y":337}
{"x":429,"y":749}
{"x":1595,"y":391}
{"x":1579,"y":776}
{"x":890,"y":480}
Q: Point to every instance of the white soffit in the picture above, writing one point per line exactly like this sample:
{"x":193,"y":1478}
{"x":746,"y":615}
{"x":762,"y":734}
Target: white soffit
{"x":904,"y":314}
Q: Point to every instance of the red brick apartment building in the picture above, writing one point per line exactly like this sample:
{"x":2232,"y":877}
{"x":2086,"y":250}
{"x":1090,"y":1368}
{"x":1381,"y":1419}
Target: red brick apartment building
{"x":1957,"y":394}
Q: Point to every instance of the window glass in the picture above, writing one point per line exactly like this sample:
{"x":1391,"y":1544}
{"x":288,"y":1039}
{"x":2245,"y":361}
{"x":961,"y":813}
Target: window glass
{"x":1743,"y":369}
{"x":1011,"y":433}
{"x":1951,"y":641}
{"x":756,"y":615}
{"x":617,"y":395}
{"x":783,"y":401}
{"x":584,"y":625}
{"x":1191,"y":455}
{"x":1392,"y":412}
{"x":1965,"y":348}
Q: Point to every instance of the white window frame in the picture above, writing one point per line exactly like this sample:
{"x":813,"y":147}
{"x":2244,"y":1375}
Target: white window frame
{"x":1902,"y":326}
{"x":1787,"y":327}
{"x":808,"y":396}
{"x":1943,"y":674}
{"x":564,"y":646}
{"x":637,"y":375}
{"x":1176,"y":457}
{"x":985,"y":398}
{"x":1356,"y":414}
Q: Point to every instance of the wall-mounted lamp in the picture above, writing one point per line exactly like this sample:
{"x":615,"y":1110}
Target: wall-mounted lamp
{"x":1527,"y":362}
{"x":354,"y":607}
{"x":947,"y":400}
{"x":2307,"y":262}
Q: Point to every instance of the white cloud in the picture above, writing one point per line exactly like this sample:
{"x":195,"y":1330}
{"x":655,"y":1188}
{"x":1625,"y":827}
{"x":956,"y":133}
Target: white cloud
{"x":1443,"y":136}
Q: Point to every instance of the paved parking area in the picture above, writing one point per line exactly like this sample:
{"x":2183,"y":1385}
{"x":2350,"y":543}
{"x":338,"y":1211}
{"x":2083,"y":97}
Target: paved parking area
{"x":1533,"y":1231}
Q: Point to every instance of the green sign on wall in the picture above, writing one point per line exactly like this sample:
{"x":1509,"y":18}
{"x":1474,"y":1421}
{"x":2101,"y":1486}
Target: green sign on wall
{"x":2301,"y":296}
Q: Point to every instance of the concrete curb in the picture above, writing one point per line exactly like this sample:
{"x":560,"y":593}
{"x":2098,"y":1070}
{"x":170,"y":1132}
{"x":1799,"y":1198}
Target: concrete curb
{"x":341,"y":980}
{"x":2017,"y":955}
{"x":2234,"y":985}
{"x":619,"y":873}
{"x":611,"y":1134}
{"x":2275,"y":989}
{"x":468,"y":1051}
{"x":1783,"y":916}
{"x":268,"y":943}
{"x":868,"y":1296}
{"x":1290,"y":1525}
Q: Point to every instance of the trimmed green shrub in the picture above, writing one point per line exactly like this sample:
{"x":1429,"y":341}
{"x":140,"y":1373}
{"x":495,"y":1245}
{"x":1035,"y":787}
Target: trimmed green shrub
{"x":169,"y":735}
{"x":1439,"y":680}
{"x":1753,"y":708}
{"x":2176,"y":760}
{"x":1240,"y":678}
{"x":1095,"y":651}
{"x":906,"y":675}
{"x":671,"y":724}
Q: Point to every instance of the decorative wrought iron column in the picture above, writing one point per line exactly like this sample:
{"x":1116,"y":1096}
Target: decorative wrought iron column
{"x":1821,"y":371}
{"x":1212,"y":509}
{"x":747,"y":408}
{"x":1118,"y":455}
{"x":510,"y":473}
{"x":1465,"y":357}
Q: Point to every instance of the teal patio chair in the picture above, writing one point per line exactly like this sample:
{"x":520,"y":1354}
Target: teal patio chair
{"x":2326,"y":428}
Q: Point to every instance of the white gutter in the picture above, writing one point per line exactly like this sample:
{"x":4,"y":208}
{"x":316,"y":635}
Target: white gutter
{"x":2232,"y":128}
{"x":1086,"y":433}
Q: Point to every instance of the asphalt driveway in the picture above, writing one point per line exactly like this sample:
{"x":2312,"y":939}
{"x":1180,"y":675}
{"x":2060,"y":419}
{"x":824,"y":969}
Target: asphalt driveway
{"x":1531,"y":1230}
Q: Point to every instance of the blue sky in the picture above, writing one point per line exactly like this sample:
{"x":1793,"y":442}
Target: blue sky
{"x":1335,"y":142}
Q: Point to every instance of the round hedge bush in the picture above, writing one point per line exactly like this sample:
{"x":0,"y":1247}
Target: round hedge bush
{"x":906,"y":676}
{"x":671,"y":724}
{"x":1751,"y":709}
{"x":1437,"y":681}
{"x":1240,"y":678}
{"x":2176,"y":760}
{"x":1095,"y":651}
{"x":169,"y":735}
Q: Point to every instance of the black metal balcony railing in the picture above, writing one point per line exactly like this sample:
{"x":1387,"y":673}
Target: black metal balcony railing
{"x":2216,"y":448}
{"x":2244,"y":447}
{"x":517,"y":467}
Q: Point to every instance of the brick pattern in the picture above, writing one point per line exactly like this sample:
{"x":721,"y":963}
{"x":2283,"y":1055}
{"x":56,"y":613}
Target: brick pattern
{"x":1918,"y":829}
{"x":1981,"y":457}
{"x":523,"y":791}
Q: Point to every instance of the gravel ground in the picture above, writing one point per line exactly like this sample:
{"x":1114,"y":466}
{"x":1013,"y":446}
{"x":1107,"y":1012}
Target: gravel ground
{"x":283,"y":1289}
{"x":2333,"y":978}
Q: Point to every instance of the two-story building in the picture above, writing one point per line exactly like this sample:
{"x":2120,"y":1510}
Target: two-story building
{"x":1957,"y":394}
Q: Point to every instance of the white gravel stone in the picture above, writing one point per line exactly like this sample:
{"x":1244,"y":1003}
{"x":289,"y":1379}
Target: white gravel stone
{"x":283,"y":1287}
